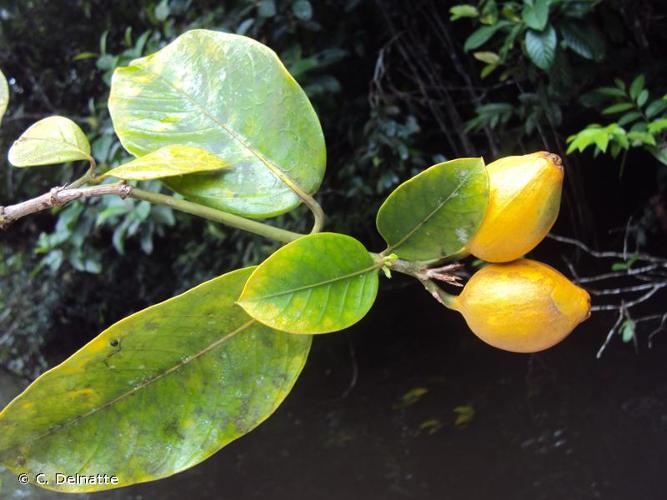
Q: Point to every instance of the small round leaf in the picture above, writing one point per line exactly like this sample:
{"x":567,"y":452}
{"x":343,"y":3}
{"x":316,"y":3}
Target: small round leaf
{"x":319,"y":283}
{"x":55,"y":139}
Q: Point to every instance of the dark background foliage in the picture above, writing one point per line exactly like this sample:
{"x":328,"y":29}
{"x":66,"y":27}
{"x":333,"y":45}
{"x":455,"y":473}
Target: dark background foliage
{"x":395,"y":90}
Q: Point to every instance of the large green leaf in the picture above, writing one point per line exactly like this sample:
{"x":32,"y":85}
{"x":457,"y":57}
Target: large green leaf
{"x":232,"y":96}
{"x":541,"y":47}
{"x":435,"y":213}
{"x":55,"y":139}
{"x":319,"y":283}
{"x":4,"y":95}
{"x":168,"y":161}
{"x":156,"y":393}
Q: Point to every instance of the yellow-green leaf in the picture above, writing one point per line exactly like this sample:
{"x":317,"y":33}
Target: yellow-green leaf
{"x":55,"y":139}
{"x":232,"y":96}
{"x":4,"y":95}
{"x":319,"y":283}
{"x":168,"y":161}
{"x":154,"y":394}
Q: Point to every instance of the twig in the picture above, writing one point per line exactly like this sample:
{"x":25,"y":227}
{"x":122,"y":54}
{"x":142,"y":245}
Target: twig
{"x":60,"y":196}
{"x":606,"y":255}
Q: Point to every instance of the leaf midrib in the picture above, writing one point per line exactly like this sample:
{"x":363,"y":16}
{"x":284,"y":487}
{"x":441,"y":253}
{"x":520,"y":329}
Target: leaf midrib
{"x":313,"y":285}
{"x":146,"y":383}
{"x":243,"y":141}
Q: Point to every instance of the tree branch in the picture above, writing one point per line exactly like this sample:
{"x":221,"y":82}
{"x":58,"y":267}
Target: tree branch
{"x":57,"y":197}
{"x":60,"y":196}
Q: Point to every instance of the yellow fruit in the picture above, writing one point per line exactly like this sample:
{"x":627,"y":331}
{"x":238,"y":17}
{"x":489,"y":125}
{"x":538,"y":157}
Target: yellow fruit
{"x":524,"y":199}
{"x":523,"y":306}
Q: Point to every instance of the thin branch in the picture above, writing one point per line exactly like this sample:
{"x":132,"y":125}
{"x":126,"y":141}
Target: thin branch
{"x":621,"y":315}
{"x":60,"y":196}
{"x":605,"y":255}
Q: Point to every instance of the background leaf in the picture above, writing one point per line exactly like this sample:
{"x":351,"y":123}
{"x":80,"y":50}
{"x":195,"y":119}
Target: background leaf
{"x":319,"y":283}
{"x":584,"y":40}
{"x":4,"y":95}
{"x":541,"y":47}
{"x":55,"y":139}
{"x":435,"y":213}
{"x":156,"y":393}
{"x":231,"y":96}
{"x":168,"y":162}
{"x":480,"y":36}
{"x":462,"y":10}
{"x":535,"y":13}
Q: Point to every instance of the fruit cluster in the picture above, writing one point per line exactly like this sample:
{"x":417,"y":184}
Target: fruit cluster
{"x":518,"y":304}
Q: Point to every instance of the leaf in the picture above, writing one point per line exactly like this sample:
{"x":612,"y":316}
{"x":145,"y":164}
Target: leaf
{"x":536,"y":14}
{"x":302,"y":10}
{"x":4,"y":95}
{"x":231,"y":96}
{"x":541,"y":47}
{"x":55,"y":139}
{"x":266,"y":8}
{"x":434,"y":214}
{"x":655,"y":108}
{"x":637,"y":86}
{"x":642,"y":98}
{"x":657,"y":126}
{"x":481,"y":35}
{"x":463,"y":10}
{"x":168,"y":161}
{"x":642,"y":138}
{"x":583,"y":40}
{"x":319,"y":283}
{"x":628,"y":118}
{"x":487,"y":57}
{"x":156,"y":393}
{"x":610,"y":92}
{"x":659,"y":153}
{"x":618,"y":108}
{"x":627,"y":330}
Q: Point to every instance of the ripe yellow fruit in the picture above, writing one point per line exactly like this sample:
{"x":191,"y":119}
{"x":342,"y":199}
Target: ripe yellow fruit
{"x":524,"y":200}
{"x":523,"y":306}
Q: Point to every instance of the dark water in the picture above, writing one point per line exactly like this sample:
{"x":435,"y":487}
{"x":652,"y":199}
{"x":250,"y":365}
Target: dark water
{"x":556,"y":425}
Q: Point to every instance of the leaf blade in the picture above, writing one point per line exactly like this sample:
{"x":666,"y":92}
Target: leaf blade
{"x":434,"y":214}
{"x":168,"y":161}
{"x":54,"y":139}
{"x":141,"y":439}
{"x":327,"y":282}
{"x":4,"y":95}
{"x":222,"y":92}
{"x":541,"y":47}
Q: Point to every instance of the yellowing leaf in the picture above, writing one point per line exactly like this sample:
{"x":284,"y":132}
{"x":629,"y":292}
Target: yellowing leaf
{"x":168,"y":161}
{"x":154,"y":394}
{"x":55,"y":139}
{"x":4,"y":95}
{"x":232,"y":96}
